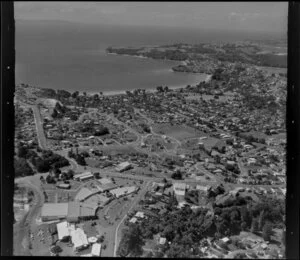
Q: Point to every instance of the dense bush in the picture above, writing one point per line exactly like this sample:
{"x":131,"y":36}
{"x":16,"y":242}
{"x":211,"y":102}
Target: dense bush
{"x":49,"y":160}
{"x":22,"y":168}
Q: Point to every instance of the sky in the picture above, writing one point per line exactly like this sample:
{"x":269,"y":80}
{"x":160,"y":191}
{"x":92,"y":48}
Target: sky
{"x":245,"y":16}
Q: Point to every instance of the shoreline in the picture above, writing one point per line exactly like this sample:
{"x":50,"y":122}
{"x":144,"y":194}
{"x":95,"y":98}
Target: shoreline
{"x":149,"y":90}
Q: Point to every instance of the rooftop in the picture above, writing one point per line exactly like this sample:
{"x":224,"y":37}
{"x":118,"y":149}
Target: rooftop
{"x":79,"y":238}
{"x":96,"y":249}
{"x":55,"y":209}
{"x":83,"y":194}
{"x":122,"y":191}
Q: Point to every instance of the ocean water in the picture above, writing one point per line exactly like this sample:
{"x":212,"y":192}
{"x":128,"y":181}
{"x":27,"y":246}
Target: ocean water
{"x":70,"y":56}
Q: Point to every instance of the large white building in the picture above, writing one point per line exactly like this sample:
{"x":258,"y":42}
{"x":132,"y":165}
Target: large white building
{"x":96,"y":249}
{"x":119,"y":192}
{"x":64,"y":230}
{"x":179,"y":188}
{"x":83,"y":176}
{"x":79,"y":239}
{"x":124,"y":166}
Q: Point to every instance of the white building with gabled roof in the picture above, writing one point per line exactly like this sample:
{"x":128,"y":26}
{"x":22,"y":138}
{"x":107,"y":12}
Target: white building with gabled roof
{"x":96,"y":249}
{"x":79,"y":239}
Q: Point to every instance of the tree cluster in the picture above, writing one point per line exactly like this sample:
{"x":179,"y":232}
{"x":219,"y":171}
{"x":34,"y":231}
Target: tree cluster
{"x":49,"y":160}
{"x":22,"y":168}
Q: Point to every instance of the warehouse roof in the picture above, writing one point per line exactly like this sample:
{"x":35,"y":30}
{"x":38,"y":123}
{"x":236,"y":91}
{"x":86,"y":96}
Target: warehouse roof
{"x":55,"y":209}
{"x":105,"y":181}
{"x":83,"y":175}
{"x":123,"y":166}
{"x":73,"y":210}
{"x":83,"y":194}
{"x":77,"y":209}
{"x":87,"y":210}
{"x":122,"y":191}
{"x":106,"y":186}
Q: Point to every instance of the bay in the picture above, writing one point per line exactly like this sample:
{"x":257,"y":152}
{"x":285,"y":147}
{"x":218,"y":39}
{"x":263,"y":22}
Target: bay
{"x":70,"y":56}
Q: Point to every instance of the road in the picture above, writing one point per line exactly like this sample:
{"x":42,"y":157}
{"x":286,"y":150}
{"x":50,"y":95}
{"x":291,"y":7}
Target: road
{"x":39,"y":127}
{"x":22,"y":228}
{"x":135,"y":201}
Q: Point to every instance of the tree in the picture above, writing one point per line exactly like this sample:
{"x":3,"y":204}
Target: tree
{"x":97,"y":175}
{"x":56,"y":249}
{"x":54,"y":113}
{"x":96,"y":97}
{"x":63,"y":93}
{"x":70,"y":174}
{"x":260,"y":220}
{"x":254,"y":225}
{"x":131,"y":242}
{"x":42,"y":165}
{"x":102,"y":130}
{"x":22,"y":152}
{"x":244,"y":226}
{"x":80,"y":160}
{"x":50,"y":179}
{"x":160,"y":89}
{"x":75,"y":94}
{"x":158,"y":254}
{"x":267,"y":231}
{"x":149,"y":254}
{"x":177,"y":175}
{"x":22,"y":168}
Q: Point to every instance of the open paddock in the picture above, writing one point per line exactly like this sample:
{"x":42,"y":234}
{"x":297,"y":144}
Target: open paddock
{"x":93,"y":163}
{"x":157,"y":141}
{"x":178,"y":132}
{"x":118,"y":149}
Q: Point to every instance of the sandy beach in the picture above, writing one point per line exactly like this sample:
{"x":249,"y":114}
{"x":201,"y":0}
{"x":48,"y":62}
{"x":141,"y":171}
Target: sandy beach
{"x":202,"y":77}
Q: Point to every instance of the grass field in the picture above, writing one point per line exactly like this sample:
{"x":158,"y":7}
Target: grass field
{"x":156,"y":141}
{"x":178,"y":132}
{"x":117,"y":149}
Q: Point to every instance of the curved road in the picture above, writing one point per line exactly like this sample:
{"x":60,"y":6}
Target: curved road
{"x":23,"y":227}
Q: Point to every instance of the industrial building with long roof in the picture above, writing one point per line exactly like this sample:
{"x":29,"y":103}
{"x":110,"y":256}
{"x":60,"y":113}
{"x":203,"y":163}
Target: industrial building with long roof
{"x":72,"y":211}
